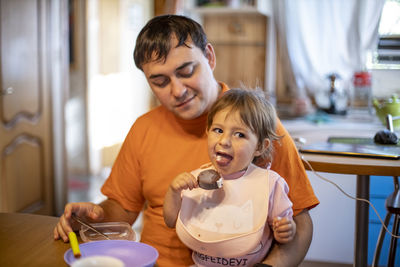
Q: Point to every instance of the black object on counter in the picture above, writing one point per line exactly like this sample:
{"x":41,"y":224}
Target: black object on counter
{"x":386,"y":137}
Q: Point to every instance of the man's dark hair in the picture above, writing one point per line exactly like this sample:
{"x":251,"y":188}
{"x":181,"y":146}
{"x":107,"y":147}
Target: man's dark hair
{"x":155,"y":37}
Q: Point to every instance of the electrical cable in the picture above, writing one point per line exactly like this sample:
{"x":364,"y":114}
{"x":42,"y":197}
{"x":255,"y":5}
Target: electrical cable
{"x":349,"y":196}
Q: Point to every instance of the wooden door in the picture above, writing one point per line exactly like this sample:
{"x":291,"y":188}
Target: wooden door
{"x":26,"y":181}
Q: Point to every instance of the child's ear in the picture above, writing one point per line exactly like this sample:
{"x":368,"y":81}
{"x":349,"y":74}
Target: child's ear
{"x":263,"y":145}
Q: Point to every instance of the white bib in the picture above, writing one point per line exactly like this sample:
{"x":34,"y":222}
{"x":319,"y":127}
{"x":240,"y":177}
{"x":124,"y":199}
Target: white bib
{"x":229,"y":221}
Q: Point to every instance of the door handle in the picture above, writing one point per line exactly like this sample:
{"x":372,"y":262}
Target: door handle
{"x":8,"y":91}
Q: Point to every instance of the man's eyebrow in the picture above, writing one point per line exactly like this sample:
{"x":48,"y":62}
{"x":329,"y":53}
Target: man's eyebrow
{"x":184,"y":65}
{"x":154,"y":76}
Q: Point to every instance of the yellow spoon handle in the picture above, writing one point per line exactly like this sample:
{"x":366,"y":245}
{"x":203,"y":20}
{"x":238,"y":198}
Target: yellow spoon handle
{"x":74,"y":244}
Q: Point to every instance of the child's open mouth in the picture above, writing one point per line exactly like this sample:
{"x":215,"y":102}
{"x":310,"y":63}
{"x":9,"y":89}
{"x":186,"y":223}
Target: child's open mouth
{"x":223,"y":159}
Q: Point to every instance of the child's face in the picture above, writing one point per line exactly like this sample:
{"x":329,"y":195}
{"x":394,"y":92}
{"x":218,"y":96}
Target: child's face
{"x":231,"y":144}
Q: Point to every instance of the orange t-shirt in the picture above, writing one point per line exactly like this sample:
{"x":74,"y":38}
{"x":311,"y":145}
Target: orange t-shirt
{"x":158,"y":147}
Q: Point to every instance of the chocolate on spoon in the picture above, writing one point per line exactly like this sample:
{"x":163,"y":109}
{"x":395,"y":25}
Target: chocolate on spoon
{"x":209,"y":179}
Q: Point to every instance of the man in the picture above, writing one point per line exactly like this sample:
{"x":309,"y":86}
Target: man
{"x":178,"y":62}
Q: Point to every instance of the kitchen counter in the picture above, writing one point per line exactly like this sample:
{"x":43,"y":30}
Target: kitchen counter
{"x":316,"y":129}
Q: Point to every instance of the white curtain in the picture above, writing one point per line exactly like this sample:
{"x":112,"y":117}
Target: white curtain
{"x":319,"y":37}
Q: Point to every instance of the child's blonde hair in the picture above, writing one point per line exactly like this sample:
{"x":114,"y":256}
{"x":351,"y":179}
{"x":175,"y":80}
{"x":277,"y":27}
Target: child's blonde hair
{"x":255,"y":111}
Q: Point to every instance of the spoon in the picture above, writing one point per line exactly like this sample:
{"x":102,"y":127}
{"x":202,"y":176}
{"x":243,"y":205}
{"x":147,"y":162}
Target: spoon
{"x":74,"y":244}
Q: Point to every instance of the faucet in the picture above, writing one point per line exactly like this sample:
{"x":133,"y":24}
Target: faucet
{"x":389,"y":121}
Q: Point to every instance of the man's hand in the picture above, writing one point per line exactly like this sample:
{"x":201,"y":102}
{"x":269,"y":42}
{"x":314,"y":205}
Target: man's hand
{"x":108,"y":210}
{"x":86,"y":210}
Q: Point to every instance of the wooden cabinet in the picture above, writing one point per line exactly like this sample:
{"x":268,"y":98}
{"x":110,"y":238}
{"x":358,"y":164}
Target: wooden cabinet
{"x":239,"y":40}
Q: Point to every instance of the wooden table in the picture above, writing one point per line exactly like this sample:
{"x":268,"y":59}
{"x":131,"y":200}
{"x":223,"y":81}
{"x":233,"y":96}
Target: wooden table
{"x":27,"y":240}
{"x":363,"y":168}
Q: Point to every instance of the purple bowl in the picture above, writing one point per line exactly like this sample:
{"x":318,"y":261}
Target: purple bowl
{"x":130,"y":252}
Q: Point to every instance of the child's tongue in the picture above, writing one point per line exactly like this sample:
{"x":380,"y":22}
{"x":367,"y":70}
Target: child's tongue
{"x":223,"y":159}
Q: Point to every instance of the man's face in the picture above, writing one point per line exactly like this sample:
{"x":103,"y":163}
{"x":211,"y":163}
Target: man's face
{"x":184,"y":83}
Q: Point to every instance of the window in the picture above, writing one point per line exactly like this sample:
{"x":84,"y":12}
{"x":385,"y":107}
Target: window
{"x":389,"y":34}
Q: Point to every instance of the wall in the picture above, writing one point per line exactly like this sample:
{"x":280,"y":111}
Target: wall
{"x":385,"y":82}
{"x":76,"y":105}
{"x":333,"y":219}
{"x":118,"y":92}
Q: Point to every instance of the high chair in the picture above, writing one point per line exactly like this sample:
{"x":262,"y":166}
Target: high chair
{"x":393,"y":208}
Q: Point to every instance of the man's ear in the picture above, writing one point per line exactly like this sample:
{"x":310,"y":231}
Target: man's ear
{"x":210,"y":55}
{"x":262,"y":146}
